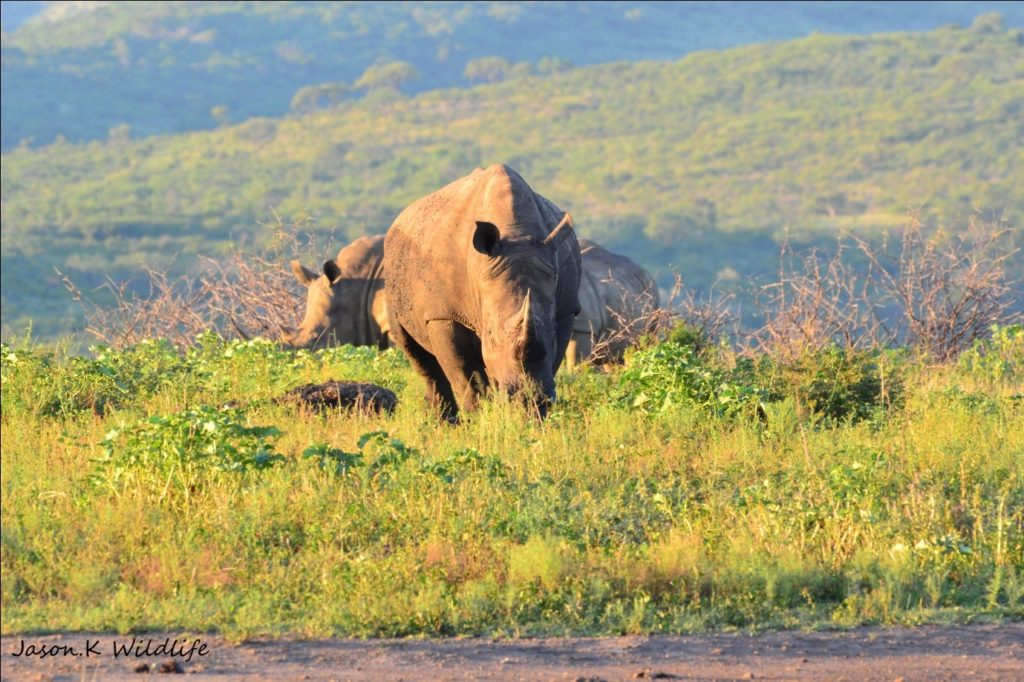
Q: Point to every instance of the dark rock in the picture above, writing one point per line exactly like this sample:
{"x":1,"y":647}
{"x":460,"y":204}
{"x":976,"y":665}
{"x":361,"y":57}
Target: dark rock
{"x":170,"y":666}
{"x":343,"y":395}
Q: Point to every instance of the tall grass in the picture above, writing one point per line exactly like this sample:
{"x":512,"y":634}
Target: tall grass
{"x":616,"y":515}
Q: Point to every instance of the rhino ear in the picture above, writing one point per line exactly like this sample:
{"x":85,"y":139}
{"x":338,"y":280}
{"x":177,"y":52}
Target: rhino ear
{"x":560,"y":233}
{"x":302,"y":273}
{"x":332,"y":271}
{"x":486,"y":238}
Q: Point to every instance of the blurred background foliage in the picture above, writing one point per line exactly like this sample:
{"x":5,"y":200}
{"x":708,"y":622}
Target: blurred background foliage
{"x":329,"y":115}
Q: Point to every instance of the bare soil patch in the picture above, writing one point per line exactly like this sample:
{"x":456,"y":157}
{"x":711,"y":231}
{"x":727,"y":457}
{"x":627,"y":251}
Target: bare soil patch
{"x":979,"y":652}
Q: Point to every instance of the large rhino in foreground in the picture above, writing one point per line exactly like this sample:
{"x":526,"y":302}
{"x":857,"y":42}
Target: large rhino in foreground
{"x":483,"y":283}
{"x":346,"y":303}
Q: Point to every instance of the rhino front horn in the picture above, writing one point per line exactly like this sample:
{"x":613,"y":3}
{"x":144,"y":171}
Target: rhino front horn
{"x":559,"y":234}
{"x":524,"y":320}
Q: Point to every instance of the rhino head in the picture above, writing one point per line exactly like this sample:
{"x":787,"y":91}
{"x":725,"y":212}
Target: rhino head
{"x":339,"y":309}
{"x":517,"y":290}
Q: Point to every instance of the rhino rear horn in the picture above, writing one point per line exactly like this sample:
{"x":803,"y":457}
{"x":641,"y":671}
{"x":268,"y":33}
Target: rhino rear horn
{"x":302,"y":273}
{"x":560,"y":233}
{"x":524,"y":320}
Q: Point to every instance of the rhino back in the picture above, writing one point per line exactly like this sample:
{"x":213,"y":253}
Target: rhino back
{"x":364,"y":257}
{"x":611,"y":282}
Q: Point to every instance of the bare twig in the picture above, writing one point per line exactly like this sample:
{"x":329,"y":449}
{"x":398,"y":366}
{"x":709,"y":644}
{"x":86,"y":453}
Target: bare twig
{"x":248,"y":293}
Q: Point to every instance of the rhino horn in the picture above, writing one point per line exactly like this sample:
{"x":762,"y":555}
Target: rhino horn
{"x":524,"y":320}
{"x":302,"y":273}
{"x":559,"y":234}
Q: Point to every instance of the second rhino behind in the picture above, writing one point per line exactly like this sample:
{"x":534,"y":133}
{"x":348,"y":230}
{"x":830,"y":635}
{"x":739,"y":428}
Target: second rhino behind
{"x":346,"y":304}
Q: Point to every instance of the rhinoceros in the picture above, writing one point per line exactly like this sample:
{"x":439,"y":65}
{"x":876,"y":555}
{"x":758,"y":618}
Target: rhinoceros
{"x":613,"y":291}
{"x":346,"y":303}
{"x":483,"y":283}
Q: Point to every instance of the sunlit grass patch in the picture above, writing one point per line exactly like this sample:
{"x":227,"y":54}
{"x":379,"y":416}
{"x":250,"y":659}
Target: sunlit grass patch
{"x":604,"y":518}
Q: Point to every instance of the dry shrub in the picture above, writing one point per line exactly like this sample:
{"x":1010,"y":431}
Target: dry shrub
{"x":816,"y":301}
{"x":169,"y":308}
{"x":706,"y":318}
{"x":936,"y":292}
{"x":950,"y":289}
{"x":933,"y":292}
{"x":250,"y":292}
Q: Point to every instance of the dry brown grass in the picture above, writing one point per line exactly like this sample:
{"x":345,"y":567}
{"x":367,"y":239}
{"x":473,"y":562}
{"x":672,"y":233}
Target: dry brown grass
{"x":709,"y":317}
{"x":925,"y":289}
{"x":928,"y":290}
{"x":250,"y":292}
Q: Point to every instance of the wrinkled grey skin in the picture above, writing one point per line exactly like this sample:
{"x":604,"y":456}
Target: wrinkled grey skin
{"x":483,"y":282}
{"x":346,"y":303}
{"x":613,"y":289}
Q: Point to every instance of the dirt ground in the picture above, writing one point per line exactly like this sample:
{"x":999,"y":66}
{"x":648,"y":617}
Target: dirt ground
{"x":980,"y":652}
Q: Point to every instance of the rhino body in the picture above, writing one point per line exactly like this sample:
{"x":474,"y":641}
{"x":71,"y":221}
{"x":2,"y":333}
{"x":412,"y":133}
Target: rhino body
{"x":346,"y":303}
{"x":483,"y":283}
{"x":614,"y":290}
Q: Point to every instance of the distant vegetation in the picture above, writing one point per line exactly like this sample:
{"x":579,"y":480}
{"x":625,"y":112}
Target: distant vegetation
{"x":699,"y":164}
{"x":77,"y":70}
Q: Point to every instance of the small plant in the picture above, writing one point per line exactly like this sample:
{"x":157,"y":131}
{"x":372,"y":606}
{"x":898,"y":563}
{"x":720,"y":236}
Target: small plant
{"x":379,"y":453}
{"x":334,"y":460}
{"x":836,"y":383}
{"x":466,"y":462}
{"x":671,"y":373}
{"x":390,"y":453}
{"x":186,"y":448}
{"x":998,"y":359}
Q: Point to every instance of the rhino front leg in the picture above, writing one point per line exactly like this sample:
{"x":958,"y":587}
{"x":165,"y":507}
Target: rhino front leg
{"x":563,"y":343}
{"x":580,"y":346}
{"x":439,"y":390}
{"x":570,"y":354}
{"x":458,"y":352}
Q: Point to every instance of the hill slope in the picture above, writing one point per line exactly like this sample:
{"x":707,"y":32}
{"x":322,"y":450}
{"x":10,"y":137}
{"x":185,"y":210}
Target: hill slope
{"x":80,"y":69}
{"x":697,"y":164}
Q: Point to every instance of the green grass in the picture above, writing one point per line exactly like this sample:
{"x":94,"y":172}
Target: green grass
{"x":605,"y":519}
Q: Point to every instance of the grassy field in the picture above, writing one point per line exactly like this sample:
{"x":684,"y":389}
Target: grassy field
{"x":687,"y":491}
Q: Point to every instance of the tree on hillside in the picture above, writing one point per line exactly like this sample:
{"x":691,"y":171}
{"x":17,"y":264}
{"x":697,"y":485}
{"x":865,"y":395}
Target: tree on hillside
{"x":390,"y":75}
{"x":671,"y":226}
{"x":120,"y":134}
{"x":220,"y":115}
{"x":549,"y":65}
{"x":990,"y":22}
{"x":320,"y":96}
{"x":487,"y":69}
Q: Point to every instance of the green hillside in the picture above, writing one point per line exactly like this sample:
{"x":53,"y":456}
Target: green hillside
{"x":698,"y":164}
{"x":79,"y":69}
